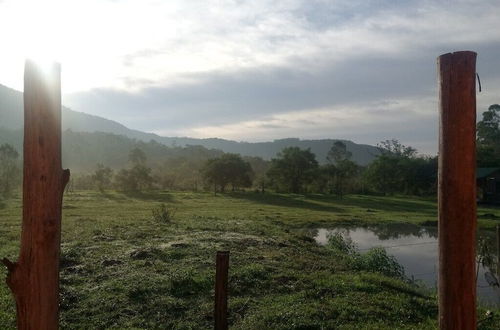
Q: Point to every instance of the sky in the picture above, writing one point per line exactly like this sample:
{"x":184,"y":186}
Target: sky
{"x":256,"y":70}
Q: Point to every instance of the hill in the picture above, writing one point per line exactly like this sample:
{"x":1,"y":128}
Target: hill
{"x":81,"y":151}
{"x":11,"y":118}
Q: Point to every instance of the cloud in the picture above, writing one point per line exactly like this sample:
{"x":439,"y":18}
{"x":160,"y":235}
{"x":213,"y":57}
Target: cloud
{"x":219,"y":97}
{"x":249,"y":69}
{"x":240,"y":103}
{"x":365,"y":123}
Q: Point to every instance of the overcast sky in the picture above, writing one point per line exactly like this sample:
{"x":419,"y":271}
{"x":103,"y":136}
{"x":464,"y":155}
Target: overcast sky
{"x":256,"y":70}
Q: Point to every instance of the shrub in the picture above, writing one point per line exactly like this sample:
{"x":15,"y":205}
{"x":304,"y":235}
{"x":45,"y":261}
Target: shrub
{"x":337,"y":242}
{"x":376,"y":260}
{"x":163,"y":214}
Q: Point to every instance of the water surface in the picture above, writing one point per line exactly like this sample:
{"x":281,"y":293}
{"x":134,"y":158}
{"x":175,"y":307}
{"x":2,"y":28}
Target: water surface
{"x":416,"y":249}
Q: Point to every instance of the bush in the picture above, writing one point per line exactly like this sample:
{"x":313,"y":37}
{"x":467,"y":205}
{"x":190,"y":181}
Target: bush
{"x":163,"y":214}
{"x":337,"y":242}
{"x":376,"y":260}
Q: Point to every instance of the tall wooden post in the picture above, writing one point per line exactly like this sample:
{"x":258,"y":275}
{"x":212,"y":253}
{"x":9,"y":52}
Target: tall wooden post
{"x":221,"y":279}
{"x":457,"y":190}
{"x":34,"y":279}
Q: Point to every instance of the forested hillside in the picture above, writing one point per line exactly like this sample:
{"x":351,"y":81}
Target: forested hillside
{"x":82,"y":150}
{"x":11,"y":118}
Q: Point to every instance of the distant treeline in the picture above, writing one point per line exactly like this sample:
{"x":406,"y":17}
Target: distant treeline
{"x":118,"y":162}
{"x":146,"y":166}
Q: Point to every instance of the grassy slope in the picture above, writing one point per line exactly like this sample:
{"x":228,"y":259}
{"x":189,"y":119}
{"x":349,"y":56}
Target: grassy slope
{"x":122,"y":269}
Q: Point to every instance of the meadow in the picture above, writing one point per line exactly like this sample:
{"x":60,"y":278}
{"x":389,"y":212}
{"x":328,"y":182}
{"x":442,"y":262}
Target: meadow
{"x":123,"y":268}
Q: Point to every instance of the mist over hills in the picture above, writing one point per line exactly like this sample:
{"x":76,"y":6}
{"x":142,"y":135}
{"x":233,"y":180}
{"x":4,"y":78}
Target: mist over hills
{"x":11,"y":122}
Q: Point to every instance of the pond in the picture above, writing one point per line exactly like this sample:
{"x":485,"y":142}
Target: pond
{"x":416,"y":249}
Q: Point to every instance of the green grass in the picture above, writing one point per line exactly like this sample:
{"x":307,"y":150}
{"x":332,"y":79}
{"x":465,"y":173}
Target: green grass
{"x":122,"y":269}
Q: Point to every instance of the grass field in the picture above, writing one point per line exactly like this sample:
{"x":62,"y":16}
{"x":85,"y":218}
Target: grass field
{"x":121,"y":268}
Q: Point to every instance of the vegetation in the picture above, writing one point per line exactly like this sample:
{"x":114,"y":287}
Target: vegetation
{"x":228,"y":169}
{"x":375,"y":260}
{"x":82,"y":150}
{"x":142,"y":257}
{"x":341,"y":169}
{"x":163,"y":213}
{"x":121,"y":268}
{"x":488,"y":138}
{"x":292,"y":169}
{"x":138,"y":177}
{"x":9,"y":170}
{"x":398,"y":169}
{"x":395,"y":169}
{"x":102,"y":177}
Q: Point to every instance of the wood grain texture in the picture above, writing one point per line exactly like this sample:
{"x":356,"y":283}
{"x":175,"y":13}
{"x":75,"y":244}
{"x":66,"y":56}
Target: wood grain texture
{"x":221,"y":290}
{"x":34,"y":279}
{"x":457,"y":190}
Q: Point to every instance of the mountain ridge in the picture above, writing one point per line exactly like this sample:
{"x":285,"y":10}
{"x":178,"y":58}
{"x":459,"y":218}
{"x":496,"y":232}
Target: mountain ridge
{"x":11,"y":106}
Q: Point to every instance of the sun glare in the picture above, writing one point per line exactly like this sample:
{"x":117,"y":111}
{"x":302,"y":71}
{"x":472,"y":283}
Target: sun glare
{"x":40,"y":32}
{"x":35,"y":34}
{"x":55,"y":31}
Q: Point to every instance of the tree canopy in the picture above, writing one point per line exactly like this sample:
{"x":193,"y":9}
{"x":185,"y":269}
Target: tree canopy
{"x":338,"y":152}
{"x":102,"y":177}
{"x":340,"y":168}
{"x":488,"y":138}
{"x":398,"y":168}
{"x":228,"y":169}
{"x":138,"y":177}
{"x":292,"y":169}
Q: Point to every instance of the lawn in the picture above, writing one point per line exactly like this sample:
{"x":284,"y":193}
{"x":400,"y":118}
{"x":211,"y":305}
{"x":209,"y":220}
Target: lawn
{"x":121,"y":268}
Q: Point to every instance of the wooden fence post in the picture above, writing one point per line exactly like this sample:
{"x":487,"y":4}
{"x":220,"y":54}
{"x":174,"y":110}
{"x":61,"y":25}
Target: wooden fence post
{"x":34,"y":278}
{"x":221,"y":290}
{"x":457,"y":190}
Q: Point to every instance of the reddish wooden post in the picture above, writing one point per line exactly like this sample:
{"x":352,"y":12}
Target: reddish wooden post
{"x":221,"y":279}
{"x":457,"y":190}
{"x":34,"y":279}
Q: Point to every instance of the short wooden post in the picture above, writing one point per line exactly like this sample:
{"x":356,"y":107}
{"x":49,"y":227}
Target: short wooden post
{"x":457,"y":190}
{"x":221,"y":290}
{"x":34,"y":278}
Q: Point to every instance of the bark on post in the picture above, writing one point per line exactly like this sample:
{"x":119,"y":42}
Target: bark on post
{"x":34,"y":279}
{"x":457,"y":190}
{"x":221,"y":279}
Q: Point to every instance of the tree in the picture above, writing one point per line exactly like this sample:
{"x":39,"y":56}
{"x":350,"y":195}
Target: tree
{"x":338,"y":152}
{"x":398,"y":168}
{"x":341,"y":167}
{"x":138,"y":177}
{"x":394,"y":148}
{"x":323,"y":181}
{"x":102,"y":177}
{"x":137,"y":157}
{"x":214,"y":174}
{"x":260,"y":168}
{"x":387,"y":172}
{"x":345,"y":170}
{"x":488,"y":138}
{"x":381,"y":174}
{"x":228,"y":169}
{"x":9,"y":170}
{"x":292,"y":169}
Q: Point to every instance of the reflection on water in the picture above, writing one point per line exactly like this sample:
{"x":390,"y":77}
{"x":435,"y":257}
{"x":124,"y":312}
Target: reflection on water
{"x":416,"y":249}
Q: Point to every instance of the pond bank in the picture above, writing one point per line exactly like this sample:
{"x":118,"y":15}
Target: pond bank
{"x":416,"y":249}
